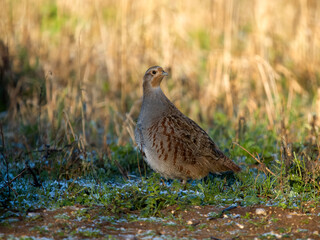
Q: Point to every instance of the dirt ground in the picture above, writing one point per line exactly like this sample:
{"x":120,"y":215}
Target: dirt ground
{"x":196,"y":222}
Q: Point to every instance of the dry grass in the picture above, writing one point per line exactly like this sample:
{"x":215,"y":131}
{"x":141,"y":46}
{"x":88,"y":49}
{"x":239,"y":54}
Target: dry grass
{"x":79,"y":64}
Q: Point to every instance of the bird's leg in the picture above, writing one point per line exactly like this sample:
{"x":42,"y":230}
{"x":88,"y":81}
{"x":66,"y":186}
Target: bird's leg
{"x":184,"y":184}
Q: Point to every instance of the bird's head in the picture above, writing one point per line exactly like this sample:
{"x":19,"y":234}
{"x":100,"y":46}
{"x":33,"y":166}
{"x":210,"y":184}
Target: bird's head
{"x":153,"y":77}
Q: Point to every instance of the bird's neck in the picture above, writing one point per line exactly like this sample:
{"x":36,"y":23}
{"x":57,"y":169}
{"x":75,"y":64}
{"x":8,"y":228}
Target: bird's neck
{"x":149,"y":91}
{"x":155,"y":103}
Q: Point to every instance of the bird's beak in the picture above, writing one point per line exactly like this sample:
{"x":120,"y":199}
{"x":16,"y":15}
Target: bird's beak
{"x":164,"y":73}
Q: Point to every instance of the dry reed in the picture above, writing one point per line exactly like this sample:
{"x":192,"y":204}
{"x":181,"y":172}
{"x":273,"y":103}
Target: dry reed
{"x":240,"y":57}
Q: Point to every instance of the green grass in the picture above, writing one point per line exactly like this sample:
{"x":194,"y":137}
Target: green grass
{"x":70,"y":176}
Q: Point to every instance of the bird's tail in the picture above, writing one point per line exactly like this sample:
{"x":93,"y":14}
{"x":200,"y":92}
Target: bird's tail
{"x":224,"y":164}
{"x":231,"y":166}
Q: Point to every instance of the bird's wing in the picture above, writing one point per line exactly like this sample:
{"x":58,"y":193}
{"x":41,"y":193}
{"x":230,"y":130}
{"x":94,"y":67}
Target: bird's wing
{"x":198,"y":147}
{"x":185,"y":132}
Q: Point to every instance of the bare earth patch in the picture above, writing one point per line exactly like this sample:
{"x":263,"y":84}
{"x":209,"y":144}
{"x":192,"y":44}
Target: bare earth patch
{"x":198,"y":222}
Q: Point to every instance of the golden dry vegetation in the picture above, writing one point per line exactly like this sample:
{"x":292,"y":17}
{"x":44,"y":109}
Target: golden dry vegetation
{"x":74,"y":68}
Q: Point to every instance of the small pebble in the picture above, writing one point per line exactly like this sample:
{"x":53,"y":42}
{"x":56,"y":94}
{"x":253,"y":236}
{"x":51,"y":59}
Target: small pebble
{"x":240,"y":225}
{"x":261,"y":211}
{"x":195,"y":222}
{"x":130,"y":237}
{"x":33,"y":214}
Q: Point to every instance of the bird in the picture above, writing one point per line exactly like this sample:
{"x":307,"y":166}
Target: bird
{"x":171,"y":143}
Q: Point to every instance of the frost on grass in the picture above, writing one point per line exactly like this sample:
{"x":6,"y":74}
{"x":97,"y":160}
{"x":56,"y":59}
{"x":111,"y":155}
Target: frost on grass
{"x":102,"y":219}
{"x":149,"y":196}
{"x":63,"y":216}
{"x":273,"y":234}
{"x":24,"y":237}
{"x":88,"y":232}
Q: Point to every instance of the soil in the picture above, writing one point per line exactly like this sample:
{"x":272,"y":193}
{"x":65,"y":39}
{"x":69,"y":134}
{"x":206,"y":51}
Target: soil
{"x":196,"y":222}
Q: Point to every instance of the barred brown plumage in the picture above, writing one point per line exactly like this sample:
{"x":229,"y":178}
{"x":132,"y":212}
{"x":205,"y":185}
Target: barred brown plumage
{"x":171,"y":143}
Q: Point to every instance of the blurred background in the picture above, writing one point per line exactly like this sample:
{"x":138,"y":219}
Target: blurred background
{"x":72,"y":70}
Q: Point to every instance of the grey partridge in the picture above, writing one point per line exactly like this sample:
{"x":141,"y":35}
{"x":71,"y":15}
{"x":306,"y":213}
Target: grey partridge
{"x":171,"y":143}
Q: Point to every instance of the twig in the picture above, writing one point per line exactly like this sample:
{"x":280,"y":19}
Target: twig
{"x":4,"y":157}
{"x":219,"y":215}
{"x":8,"y":183}
{"x":66,"y":118}
{"x":2,"y":137}
{"x":50,"y":150}
{"x":15,"y":193}
{"x":35,"y":180}
{"x":121,"y":169}
{"x":27,"y":168}
{"x":254,"y":158}
{"x":241,"y":128}
{"x":25,"y":142}
{"x":229,"y":208}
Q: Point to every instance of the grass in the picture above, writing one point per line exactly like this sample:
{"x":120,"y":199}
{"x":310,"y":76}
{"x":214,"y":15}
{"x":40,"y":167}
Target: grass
{"x":97,"y":180}
{"x":70,"y":78}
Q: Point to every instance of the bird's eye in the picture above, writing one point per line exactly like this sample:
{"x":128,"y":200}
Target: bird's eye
{"x":154,"y":72}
